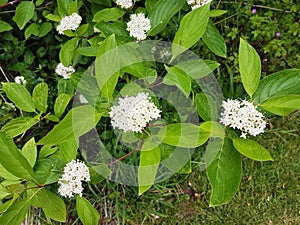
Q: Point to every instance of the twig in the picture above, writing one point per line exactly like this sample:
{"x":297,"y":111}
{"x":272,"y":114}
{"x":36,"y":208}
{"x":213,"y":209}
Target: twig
{"x":9,"y":3}
{"x":2,"y":71}
{"x":124,"y":156}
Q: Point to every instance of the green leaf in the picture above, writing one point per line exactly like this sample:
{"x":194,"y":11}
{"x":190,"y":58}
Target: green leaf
{"x":110,"y":28}
{"x":19,"y":125}
{"x":214,"y":40}
{"x":19,"y":166}
{"x":68,"y":149}
{"x":214,"y":129}
{"x":225,"y":174}
{"x":217,"y":12}
{"x":40,"y":97}
{"x":61,"y":102}
{"x":67,"y":51}
{"x":149,"y":162}
{"x":87,"y":51}
{"x":53,"y":17}
{"x":52,"y":205}
{"x":282,"y":106}
{"x":108,"y":14}
{"x":29,"y":151}
{"x":162,"y":12}
{"x":24,"y":13}
{"x":177,"y":77}
{"x":16,"y":213}
{"x":251,"y":149}
{"x":52,"y":118}
{"x":191,"y":29}
{"x":184,"y":135}
{"x":19,"y":95}
{"x":5,"y":26}
{"x":86,"y":212}
{"x":47,"y":150}
{"x":77,"y":122}
{"x":63,"y":7}
{"x":207,"y":107}
{"x":250,"y":67}
{"x":7,"y":204}
{"x":107,"y":66}
{"x":44,"y":29}
{"x":7,"y":175}
{"x":32,"y":29}
{"x":278,"y":84}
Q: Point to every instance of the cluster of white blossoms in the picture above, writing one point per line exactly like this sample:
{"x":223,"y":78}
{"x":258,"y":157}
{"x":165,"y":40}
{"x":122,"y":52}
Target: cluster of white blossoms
{"x":138,"y":26}
{"x":69,"y":23}
{"x":20,"y":80}
{"x":197,"y":3}
{"x":64,"y":71}
{"x":124,"y":3}
{"x":71,"y":182}
{"x":244,"y":116}
{"x":133,"y":112}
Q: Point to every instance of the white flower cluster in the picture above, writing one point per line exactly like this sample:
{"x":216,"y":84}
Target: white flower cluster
{"x":124,"y":3}
{"x":64,"y":71}
{"x":20,"y":80}
{"x":197,"y":3}
{"x":133,"y":112}
{"x":71,"y":182}
{"x":69,"y":23}
{"x":138,"y":26}
{"x":244,"y":116}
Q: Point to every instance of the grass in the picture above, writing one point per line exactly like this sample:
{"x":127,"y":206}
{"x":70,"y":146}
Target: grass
{"x":268,"y":194}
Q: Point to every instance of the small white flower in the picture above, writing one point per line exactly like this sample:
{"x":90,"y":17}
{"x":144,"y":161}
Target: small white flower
{"x":82,"y":99}
{"x":197,"y":3}
{"x":69,"y":23}
{"x":124,"y":3}
{"x":96,"y":30}
{"x":138,"y":26}
{"x":71,"y":181}
{"x":64,"y":71}
{"x":133,"y":112}
{"x":244,"y":116}
{"x":20,"y":80}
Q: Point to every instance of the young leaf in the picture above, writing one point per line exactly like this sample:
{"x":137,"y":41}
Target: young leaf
{"x":19,"y":125}
{"x":24,"y":13}
{"x":149,"y":162}
{"x":29,"y":151}
{"x":161,"y":13}
{"x":40,"y":97}
{"x":16,"y":213}
{"x":278,"y":84}
{"x":214,"y":40}
{"x":251,"y":149}
{"x":63,"y":7}
{"x":32,"y":29}
{"x":192,"y":27}
{"x":108,"y":14}
{"x":60,"y":104}
{"x":77,"y":122}
{"x":206,"y":107}
{"x":5,"y":26}
{"x":67,"y":51}
{"x":19,"y":166}
{"x":19,"y":95}
{"x":250,"y":67}
{"x":225,"y":174}
{"x":283,"y":105}
{"x":86,"y":212}
{"x":68,"y":149}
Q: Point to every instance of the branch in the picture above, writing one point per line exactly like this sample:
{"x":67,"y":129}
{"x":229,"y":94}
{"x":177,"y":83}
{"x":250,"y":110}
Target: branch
{"x":9,"y":3}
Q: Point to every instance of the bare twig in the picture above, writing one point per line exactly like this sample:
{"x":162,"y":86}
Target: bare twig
{"x":2,"y":71}
{"x":9,"y":3}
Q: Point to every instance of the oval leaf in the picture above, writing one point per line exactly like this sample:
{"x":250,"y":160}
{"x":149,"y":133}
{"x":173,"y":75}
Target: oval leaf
{"x":251,"y":149}
{"x":24,"y":13}
{"x":60,"y":104}
{"x":250,"y":67}
{"x":108,"y":14}
{"x":86,"y":212}
{"x":29,"y":151}
{"x":5,"y":26}
{"x":40,"y":97}
{"x":67,"y":51}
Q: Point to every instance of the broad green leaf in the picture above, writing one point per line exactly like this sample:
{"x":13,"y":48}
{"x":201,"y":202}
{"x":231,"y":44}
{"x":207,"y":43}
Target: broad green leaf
{"x":19,"y":95}
{"x":87,"y":51}
{"x":107,"y":66}
{"x":47,"y":150}
{"x":16,"y":213}
{"x":32,"y":29}
{"x":67,"y":51}
{"x":5,"y":26}
{"x":29,"y":151}
{"x":191,"y":29}
{"x":19,"y":125}
{"x":278,"y":84}
{"x":52,"y":118}
{"x":108,"y":14}
{"x":52,"y":205}
{"x":214,"y":129}
{"x":207,"y":107}
{"x":77,"y":122}
{"x":7,"y":204}
{"x":225,"y":174}
{"x":7,"y":175}
{"x":177,"y":77}
{"x":24,"y":13}
{"x":19,"y":166}
{"x":68,"y":149}
{"x":63,"y":7}
{"x":149,"y":162}
{"x":185,"y":135}
{"x":214,"y":40}
{"x":53,"y":17}
{"x":112,"y":28}
{"x":217,"y":12}
{"x":161,"y":13}
{"x":40,"y":97}
{"x":64,"y":86}
{"x":86,"y":212}
{"x":44,"y":29}
{"x":282,"y":106}
{"x":251,"y":149}
{"x":250,"y":67}
{"x":61,"y":102}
